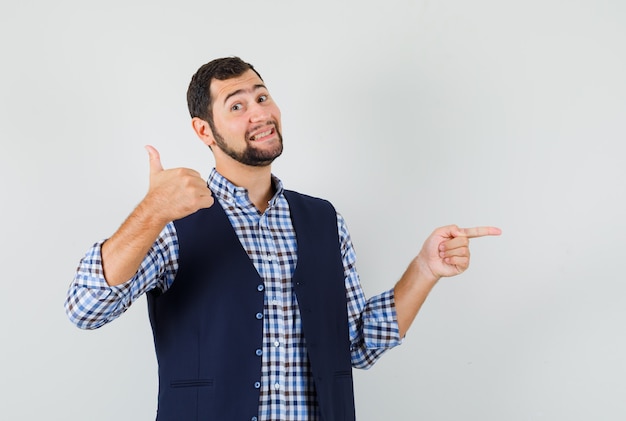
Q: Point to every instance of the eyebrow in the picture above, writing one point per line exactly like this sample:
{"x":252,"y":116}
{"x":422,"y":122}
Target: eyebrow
{"x":241,"y":91}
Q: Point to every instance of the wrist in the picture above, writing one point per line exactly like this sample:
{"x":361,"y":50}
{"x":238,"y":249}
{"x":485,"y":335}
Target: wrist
{"x":423,"y":271}
{"x":149,"y":212}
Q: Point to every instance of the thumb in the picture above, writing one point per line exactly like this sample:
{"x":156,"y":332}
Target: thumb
{"x":456,"y":231}
{"x":155,"y":160}
{"x":449,"y":232}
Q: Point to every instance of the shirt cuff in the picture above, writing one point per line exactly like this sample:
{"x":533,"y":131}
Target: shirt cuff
{"x":90,"y":275}
{"x":380,"y":323}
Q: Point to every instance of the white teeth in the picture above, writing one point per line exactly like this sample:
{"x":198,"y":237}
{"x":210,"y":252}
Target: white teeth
{"x":255,"y":137}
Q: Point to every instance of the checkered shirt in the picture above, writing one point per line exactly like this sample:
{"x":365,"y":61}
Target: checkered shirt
{"x":287,"y":388}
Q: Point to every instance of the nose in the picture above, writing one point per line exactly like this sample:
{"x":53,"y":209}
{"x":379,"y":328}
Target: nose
{"x":259,"y":113}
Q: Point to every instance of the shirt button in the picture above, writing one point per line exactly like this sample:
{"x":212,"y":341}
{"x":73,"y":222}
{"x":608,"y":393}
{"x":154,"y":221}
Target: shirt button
{"x":259,"y":316}
{"x":276,"y":344}
{"x":259,"y":352}
{"x":257,"y":385}
{"x":260,"y":287}
{"x":269,"y":257}
{"x":275,"y":302}
{"x":277,"y":386}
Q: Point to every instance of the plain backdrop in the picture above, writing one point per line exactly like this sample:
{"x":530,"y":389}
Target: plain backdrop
{"x":407,"y":115}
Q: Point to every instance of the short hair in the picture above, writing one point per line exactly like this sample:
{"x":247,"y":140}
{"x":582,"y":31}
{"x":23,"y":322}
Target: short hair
{"x":199,"y":99}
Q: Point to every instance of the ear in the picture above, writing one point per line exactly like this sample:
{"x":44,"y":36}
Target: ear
{"x":203,"y":130}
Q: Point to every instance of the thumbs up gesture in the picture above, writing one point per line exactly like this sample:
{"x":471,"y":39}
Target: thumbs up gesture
{"x":175,"y":193}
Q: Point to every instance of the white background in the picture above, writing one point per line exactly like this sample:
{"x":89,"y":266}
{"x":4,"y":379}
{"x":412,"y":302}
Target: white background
{"x":407,"y":115}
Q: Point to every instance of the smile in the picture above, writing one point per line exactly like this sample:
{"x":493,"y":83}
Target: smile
{"x":261,"y":135}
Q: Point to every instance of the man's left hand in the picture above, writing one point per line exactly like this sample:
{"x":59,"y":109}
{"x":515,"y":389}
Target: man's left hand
{"x":446,"y":252}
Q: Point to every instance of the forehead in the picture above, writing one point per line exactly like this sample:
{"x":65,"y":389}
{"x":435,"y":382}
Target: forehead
{"x":222,"y":89}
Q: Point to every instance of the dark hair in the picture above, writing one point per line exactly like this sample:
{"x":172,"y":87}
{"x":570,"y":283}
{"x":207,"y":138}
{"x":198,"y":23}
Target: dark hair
{"x":199,"y":99}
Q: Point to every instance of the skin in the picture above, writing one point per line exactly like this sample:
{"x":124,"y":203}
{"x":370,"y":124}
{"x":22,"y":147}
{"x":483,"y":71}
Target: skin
{"x":242,"y":111}
{"x":242,"y":107}
{"x":444,"y":253}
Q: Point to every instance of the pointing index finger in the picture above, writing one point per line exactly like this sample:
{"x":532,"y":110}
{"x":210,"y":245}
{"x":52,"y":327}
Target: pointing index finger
{"x":481,"y":231}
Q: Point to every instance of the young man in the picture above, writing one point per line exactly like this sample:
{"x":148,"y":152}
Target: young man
{"x":254,"y":300}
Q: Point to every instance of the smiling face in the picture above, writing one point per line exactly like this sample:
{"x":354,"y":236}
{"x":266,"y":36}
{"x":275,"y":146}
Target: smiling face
{"x":245,"y":122}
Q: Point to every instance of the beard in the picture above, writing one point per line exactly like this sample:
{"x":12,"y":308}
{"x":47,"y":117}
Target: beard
{"x":251,"y":155}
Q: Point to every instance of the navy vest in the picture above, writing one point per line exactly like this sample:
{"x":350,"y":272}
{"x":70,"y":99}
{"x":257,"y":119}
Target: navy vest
{"x":208,"y":326}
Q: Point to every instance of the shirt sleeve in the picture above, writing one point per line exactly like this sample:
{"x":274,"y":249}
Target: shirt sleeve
{"x":373,"y":324}
{"x":91,"y":302}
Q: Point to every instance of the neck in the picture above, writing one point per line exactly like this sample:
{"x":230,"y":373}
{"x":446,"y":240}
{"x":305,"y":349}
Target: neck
{"x":256,"y":180}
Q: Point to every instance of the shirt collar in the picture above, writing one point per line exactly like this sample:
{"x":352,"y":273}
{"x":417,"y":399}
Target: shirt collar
{"x":229,"y":193}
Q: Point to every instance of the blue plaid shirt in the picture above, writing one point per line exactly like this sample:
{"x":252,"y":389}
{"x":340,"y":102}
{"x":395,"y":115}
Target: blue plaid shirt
{"x":287,"y":389}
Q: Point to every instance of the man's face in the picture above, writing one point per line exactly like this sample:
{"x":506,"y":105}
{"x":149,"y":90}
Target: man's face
{"x":246,"y":121}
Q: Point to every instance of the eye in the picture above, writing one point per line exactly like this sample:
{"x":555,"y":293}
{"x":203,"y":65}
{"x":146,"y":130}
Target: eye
{"x":262,"y":98}
{"x":236,"y":107}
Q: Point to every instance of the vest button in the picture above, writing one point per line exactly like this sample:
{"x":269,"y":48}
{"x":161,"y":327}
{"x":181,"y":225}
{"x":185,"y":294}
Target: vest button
{"x":257,"y":385}
{"x":259,"y":316}
{"x":259,"y":352}
{"x":253,"y":419}
{"x":260,"y":287}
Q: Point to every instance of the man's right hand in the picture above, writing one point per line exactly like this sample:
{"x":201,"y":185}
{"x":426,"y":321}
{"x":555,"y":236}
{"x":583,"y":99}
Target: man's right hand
{"x":175,"y":193}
